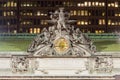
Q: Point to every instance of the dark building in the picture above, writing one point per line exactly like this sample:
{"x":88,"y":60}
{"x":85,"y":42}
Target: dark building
{"x":29,"y":16}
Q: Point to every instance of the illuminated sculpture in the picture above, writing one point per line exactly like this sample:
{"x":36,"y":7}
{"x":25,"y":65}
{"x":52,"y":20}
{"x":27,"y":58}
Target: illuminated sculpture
{"x":61,"y":39}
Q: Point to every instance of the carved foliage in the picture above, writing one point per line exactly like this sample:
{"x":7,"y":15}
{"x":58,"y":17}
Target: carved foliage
{"x":103,"y":64}
{"x":20,"y":64}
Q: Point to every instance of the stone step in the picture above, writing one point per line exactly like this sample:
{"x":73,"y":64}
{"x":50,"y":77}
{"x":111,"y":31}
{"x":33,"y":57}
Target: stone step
{"x":57,"y":78}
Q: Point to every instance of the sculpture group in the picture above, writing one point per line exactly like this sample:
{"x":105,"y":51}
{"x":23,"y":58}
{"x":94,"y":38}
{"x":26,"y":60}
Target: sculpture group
{"x":62,"y":40}
{"x":76,"y":42}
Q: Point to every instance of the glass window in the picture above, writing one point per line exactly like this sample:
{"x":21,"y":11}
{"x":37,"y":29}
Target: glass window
{"x":109,"y":22}
{"x":78,"y":4}
{"x":89,"y":3}
{"x":82,"y":22}
{"x":4,"y":13}
{"x":78,"y":23}
{"x":103,"y":4}
{"x":96,"y":3}
{"x":75,"y":12}
{"x":38,"y":13}
{"x":116,"y":4}
{"x":38,"y":30}
{"x":79,"y":13}
{"x":101,"y":21}
{"x":82,"y":13}
{"x":31,"y":31}
{"x":86,"y":13}
{"x":85,"y":3}
{"x":34,"y":30}
{"x":93,"y":3}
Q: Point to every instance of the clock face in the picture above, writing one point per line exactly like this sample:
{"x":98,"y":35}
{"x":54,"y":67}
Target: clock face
{"x":61,"y":45}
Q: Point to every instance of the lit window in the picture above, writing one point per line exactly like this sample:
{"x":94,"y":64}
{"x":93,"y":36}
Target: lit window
{"x":86,"y":13}
{"x":24,"y":5}
{"x":103,"y":4}
{"x":75,"y":12}
{"x":8,"y":4}
{"x":12,"y":3}
{"x":28,"y":5}
{"x":85,"y":3}
{"x":82,"y":5}
{"x":112,"y":23}
{"x":38,"y":13}
{"x":82,"y":22}
{"x":82,"y":13}
{"x":100,"y":31}
{"x":89,"y":3}
{"x":100,"y":4}
{"x":78,"y":23}
{"x":101,"y":22}
{"x":8,"y":13}
{"x":35,"y":30}
{"x":89,"y":14}
{"x":31,"y":31}
{"x":43,"y":22}
{"x":15,"y":4}
{"x":78,"y":4}
{"x":109,"y":5}
{"x":116,"y":4}
{"x":42,"y":14}
{"x":93,"y":3}
{"x":116,"y":14}
{"x":96,"y":3}
{"x":78,"y":13}
{"x":109,"y":22}
{"x":89,"y":22}
{"x":45,"y":14}
{"x":96,"y":31}
{"x":86,"y":23}
{"x":103,"y":14}
{"x":4,"y":13}
{"x":38,"y":30}
{"x":116,"y":23}
{"x":12,"y":13}
{"x":64,"y":3}
{"x":112,"y":4}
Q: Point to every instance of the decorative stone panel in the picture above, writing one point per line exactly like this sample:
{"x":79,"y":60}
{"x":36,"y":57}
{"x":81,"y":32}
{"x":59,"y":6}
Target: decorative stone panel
{"x":20,"y":64}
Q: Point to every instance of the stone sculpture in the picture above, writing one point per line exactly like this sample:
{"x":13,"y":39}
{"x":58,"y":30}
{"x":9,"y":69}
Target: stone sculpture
{"x":76,"y":43}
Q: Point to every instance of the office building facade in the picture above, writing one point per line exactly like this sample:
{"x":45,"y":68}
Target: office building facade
{"x":29,"y":16}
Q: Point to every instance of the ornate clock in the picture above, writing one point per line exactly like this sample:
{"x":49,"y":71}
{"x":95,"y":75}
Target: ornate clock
{"x":61,"y":45}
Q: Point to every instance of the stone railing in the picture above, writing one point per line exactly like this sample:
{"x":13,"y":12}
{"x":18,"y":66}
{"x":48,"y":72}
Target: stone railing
{"x":31,"y":36}
{"x":31,"y":65}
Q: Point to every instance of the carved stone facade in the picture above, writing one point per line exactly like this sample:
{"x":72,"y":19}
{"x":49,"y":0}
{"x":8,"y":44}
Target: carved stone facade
{"x":103,"y":64}
{"x":20,"y":64}
{"x":61,"y":39}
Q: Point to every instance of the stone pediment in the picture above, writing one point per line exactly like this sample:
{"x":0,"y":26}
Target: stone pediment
{"x":61,"y":39}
